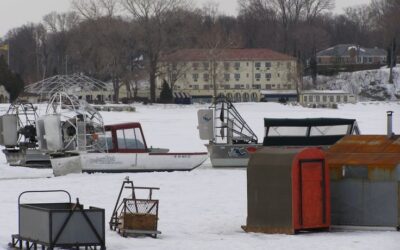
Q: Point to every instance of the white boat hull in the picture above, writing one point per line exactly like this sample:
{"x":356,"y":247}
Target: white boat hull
{"x":127,"y":162}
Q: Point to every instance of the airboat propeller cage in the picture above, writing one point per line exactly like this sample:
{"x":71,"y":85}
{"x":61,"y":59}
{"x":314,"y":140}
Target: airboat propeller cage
{"x":9,"y":130}
{"x":70,"y":124}
{"x":223,"y":123}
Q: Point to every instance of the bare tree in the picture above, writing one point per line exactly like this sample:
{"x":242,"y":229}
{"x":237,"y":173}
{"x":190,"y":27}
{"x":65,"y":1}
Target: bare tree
{"x":151,"y":16}
{"x":313,"y":8}
{"x":93,"y":9}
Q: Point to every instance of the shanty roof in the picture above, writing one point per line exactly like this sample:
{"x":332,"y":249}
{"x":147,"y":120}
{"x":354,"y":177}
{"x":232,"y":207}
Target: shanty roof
{"x":226,"y":55}
{"x":343,"y":50}
{"x":72,"y":84}
{"x":365,"y":150}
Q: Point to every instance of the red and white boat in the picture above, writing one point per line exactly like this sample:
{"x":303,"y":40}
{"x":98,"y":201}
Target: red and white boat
{"x":126,"y":151}
{"x":72,"y":133}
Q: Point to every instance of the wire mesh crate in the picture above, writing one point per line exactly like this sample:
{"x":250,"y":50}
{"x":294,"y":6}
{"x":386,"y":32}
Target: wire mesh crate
{"x":132,"y":216}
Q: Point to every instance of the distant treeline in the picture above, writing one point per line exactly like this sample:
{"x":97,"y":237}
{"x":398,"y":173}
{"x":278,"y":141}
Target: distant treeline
{"x":122,"y":40}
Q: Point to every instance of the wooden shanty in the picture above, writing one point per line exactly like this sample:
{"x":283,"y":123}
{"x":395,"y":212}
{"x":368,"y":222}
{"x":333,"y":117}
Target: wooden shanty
{"x":365,"y":177}
{"x":287,"y":191}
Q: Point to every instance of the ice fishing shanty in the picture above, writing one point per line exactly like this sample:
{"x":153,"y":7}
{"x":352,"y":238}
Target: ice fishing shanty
{"x":287,"y":191}
{"x":365,"y":181}
{"x":63,"y":225}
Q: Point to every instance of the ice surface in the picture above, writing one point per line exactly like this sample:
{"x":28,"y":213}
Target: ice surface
{"x":204,"y":208}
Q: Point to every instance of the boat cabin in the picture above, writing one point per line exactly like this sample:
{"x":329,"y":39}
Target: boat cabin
{"x":125,"y":138}
{"x":307,"y":132}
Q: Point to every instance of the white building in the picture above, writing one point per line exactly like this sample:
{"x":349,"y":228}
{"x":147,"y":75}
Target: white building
{"x":239,"y":74}
{"x":325,"y":98}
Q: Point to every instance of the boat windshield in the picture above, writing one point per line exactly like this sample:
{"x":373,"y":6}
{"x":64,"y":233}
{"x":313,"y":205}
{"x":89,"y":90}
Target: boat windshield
{"x":130,"y":138}
{"x":307,"y":132}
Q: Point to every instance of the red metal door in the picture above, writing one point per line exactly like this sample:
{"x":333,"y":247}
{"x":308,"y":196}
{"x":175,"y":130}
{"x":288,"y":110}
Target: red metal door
{"x":312,"y":193}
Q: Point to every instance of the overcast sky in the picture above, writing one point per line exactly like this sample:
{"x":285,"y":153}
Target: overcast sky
{"x":14,"y":13}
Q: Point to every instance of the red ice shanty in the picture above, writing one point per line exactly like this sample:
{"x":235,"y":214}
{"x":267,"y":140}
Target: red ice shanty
{"x":287,"y":191}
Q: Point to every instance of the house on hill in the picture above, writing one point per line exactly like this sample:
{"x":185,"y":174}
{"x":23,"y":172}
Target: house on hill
{"x":350,"y":54}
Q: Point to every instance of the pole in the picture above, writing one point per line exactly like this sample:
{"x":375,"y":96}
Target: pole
{"x":8,"y":54}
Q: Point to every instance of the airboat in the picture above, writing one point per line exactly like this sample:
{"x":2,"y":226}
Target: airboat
{"x":73,"y":134}
{"x":231,"y":140}
{"x":71,"y":138}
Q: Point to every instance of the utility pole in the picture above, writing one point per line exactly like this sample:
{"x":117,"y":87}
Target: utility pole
{"x":392,"y":57}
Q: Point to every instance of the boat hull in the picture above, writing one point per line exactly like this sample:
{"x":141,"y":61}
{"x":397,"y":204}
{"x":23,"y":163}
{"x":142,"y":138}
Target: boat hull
{"x":127,"y":162}
{"x":230,"y":155}
{"x":32,"y":158}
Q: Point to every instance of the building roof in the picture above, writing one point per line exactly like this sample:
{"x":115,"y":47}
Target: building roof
{"x":343,"y":50}
{"x":363,"y":150}
{"x":226,"y":55}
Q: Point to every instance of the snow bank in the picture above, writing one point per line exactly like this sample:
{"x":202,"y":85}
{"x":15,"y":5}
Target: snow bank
{"x":367,"y":84}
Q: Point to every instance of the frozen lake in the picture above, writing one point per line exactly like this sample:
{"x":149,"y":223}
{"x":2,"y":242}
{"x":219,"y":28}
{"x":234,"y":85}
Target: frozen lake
{"x":201,"y":209}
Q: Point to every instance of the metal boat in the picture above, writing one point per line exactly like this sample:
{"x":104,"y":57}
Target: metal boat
{"x":231,"y":140}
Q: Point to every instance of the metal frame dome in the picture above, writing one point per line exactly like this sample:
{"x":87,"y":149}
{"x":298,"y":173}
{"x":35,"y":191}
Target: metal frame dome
{"x":71,"y":84}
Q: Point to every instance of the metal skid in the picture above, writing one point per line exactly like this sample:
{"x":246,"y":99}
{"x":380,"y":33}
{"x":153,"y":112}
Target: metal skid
{"x":133,"y":216}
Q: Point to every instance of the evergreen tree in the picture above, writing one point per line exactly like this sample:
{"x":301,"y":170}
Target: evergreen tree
{"x":166,"y":93}
{"x":13,"y":83}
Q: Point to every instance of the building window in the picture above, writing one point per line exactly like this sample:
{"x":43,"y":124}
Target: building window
{"x":226,"y":65}
{"x":345,"y":98}
{"x":317,"y":98}
{"x":206,"y":87}
{"x":258,"y":76}
{"x":267,"y":86}
{"x":331,"y":98}
{"x":206,"y":65}
{"x":324,"y":98}
{"x":237,"y":86}
{"x":237,"y":65}
{"x":257,"y":65}
{"x":205,"y":77}
{"x":196,"y":86}
{"x":237,"y":77}
{"x":305,"y":98}
{"x":227,"y":77}
{"x":279,"y":75}
{"x":268,"y":75}
{"x":338,"y":98}
{"x":311,"y":98}
{"x":273,"y":86}
{"x":195,"y":66}
{"x":195,"y":77}
{"x":268,"y":65}
{"x":256,"y":86}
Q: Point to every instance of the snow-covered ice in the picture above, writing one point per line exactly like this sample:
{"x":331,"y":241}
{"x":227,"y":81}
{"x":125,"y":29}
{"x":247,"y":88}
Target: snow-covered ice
{"x":204,"y":208}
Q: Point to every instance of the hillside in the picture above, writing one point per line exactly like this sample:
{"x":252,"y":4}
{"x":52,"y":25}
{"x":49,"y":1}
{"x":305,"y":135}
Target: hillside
{"x":367,"y":85}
